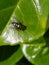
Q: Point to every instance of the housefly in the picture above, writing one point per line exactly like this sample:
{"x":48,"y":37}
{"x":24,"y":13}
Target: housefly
{"x":18,"y":25}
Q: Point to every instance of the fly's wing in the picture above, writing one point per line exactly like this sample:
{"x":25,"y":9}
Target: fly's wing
{"x":14,"y":20}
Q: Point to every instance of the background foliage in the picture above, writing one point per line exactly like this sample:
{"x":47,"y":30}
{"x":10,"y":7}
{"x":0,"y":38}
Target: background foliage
{"x":31,"y":45}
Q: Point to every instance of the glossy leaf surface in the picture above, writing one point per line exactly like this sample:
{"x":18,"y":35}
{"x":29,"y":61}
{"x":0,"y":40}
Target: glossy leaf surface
{"x":37,"y":52}
{"x":30,"y":15}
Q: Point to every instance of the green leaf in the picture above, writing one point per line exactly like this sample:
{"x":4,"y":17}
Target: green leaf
{"x":30,"y":14}
{"x":37,"y":52}
{"x":6,"y":9}
{"x":13,"y":59}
